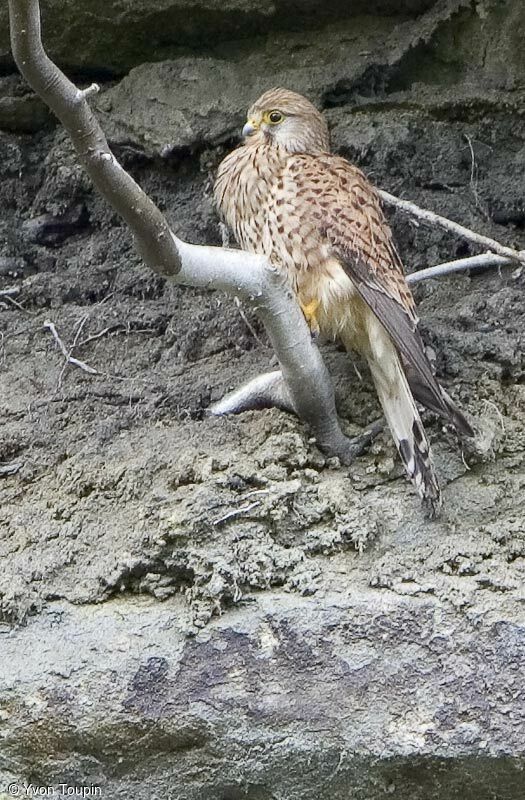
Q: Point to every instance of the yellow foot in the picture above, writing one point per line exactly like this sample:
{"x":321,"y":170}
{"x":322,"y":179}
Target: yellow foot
{"x":309,"y":310}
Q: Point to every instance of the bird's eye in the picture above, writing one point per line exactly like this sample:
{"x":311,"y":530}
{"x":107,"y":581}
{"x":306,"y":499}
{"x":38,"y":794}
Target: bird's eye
{"x":275,"y":117}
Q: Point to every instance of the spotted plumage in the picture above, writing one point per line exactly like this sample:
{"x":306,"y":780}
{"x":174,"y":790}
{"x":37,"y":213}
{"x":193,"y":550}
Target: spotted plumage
{"x":317,"y":218}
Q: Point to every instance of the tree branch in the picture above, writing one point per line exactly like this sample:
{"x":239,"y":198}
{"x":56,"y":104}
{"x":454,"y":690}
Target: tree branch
{"x":302,"y":385}
{"x":483,"y":261}
{"x":67,"y":353}
{"x":453,"y":227}
{"x":264,"y":391}
{"x":245,"y":275}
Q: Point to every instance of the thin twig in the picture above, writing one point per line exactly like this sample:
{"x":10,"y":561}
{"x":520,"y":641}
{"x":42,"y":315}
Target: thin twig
{"x":109,"y":329}
{"x":500,"y":416}
{"x":473,"y":173}
{"x":78,"y":331}
{"x":17,"y":304}
{"x":237,"y":512}
{"x":248,"y":323}
{"x":67,"y":353}
{"x":10,"y":469}
{"x":483,"y":261}
{"x":71,"y":359}
{"x":472,"y":166}
{"x":453,"y":227}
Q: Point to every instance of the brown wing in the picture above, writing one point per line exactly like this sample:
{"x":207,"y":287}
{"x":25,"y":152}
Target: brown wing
{"x":353,"y":224}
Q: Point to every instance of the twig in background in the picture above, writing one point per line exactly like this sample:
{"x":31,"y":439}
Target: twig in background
{"x":109,"y":329}
{"x":248,"y":323}
{"x":237,"y":512}
{"x":67,"y":353}
{"x":483,"y":261}
{"x":7,"y":294}
{"x":453,"y":227}
{"x":10,"y":469}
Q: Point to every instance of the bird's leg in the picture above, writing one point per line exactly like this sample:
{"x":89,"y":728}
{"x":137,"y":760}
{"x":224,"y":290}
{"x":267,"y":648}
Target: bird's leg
{"x":309,"y":310}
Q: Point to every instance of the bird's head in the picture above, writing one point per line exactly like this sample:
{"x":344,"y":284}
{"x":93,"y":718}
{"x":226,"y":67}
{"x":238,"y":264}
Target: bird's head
{"x":289,"y":120}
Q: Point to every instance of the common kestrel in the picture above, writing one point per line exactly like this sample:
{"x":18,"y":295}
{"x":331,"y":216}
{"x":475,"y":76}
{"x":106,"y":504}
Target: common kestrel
{"x":317,"y":218}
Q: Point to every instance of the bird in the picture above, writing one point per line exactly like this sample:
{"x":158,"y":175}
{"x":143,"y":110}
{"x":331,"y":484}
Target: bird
{"x":319,"y":220}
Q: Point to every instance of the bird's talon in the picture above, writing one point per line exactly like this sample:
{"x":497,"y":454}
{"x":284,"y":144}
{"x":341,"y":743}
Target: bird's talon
{"x":309,"y":310}
{"x":315,"y":331}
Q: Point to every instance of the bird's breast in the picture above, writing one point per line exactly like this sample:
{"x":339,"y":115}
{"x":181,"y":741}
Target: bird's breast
{"x":243,"y":191}
{"x":269,"y":216}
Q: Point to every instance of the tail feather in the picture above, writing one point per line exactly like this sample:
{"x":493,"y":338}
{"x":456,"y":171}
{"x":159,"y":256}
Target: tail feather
{"x":447,"y":409}
{"x":402,"y":415}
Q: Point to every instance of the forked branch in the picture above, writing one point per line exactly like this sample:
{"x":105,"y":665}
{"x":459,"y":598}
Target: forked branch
{"x":302,"y":384}
{"x":431,"y":218}
{"x":247,"y":276}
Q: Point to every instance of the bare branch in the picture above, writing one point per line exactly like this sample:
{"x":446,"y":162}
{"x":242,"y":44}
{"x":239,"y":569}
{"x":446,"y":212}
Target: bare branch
{"x":483,"y":261}
{"x":67,"y":353}
{"x":453,"y":227}
{"x":8,"y":295}
{"x":248,"y":276}
{"x":236,"y":512}
{"x":103,"y":332}
{"x":264,"y":391}
{"x":89,"y":91}
{"x":10,"y":469}
{"x":248,"y":323}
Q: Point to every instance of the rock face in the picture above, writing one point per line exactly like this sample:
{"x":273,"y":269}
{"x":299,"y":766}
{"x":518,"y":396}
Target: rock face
{"x":206,"y":608}
{"x":357,"y":695}
{"x":113,"y":37}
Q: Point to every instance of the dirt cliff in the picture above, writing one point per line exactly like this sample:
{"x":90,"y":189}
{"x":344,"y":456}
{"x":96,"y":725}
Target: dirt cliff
{"x":208,"y":608}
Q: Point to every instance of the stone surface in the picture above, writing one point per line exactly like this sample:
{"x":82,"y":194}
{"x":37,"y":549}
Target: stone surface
{"x":362,"y":694}
{"x":206,"y":608}
{"x":120,"y":34}
{"x":200,"y":101}
{"x":20,"y":109}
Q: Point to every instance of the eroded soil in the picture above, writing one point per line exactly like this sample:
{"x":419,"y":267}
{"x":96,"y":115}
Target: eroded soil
{"x":121,"y":483}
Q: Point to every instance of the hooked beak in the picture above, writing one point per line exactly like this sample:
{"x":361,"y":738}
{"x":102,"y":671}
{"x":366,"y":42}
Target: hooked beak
{"x":250,"y":128}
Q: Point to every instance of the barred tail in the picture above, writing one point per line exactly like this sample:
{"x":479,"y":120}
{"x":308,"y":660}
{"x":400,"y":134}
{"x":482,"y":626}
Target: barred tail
{"x":442,"y":404}
{"x":402,"y":415}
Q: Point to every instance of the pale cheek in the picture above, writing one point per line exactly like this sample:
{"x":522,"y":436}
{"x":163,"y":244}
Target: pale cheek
{"x":287,"y":134}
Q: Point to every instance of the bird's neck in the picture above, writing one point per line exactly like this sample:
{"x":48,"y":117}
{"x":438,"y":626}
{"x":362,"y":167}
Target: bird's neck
{"x":263,"y":150}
